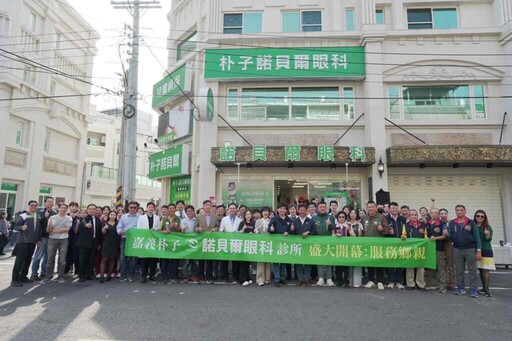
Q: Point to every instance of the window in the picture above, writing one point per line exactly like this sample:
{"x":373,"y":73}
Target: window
{"x":20,"y":133}
{"x":296,"y":104}
{"x":427,"y":18}
{"x":32,"y":22}
{"x":4,"y":26}
{"x":349,"y":19}
{"x":379,"y":17}
{"x":56,"y":43}
{"x":26,"y":74}
{"x":52,"y":87}
{"x":305,"y":21}
{"x":46,"y":145}
{"x":242,"y":23}
{"x":440,"y":102}
{"x":188,"y":45}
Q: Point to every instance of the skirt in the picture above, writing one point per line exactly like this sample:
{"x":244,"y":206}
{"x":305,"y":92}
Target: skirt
{"x":487,"y":261}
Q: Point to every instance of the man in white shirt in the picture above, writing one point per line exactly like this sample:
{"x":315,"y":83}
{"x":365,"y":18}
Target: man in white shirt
{"x":57,"y":228}
{"x":180,"y":209}
{"x":148,"y":221}
{"x":188,"y":224}
{"x":230,"y":224}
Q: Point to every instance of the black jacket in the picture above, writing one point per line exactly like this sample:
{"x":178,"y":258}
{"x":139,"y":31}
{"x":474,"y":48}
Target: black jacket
{"x":33,"y":232}
{"x":396,"y":225}
{"x":85,"y":235}
{"x":44,"y":220}
{"x":308,"y":226}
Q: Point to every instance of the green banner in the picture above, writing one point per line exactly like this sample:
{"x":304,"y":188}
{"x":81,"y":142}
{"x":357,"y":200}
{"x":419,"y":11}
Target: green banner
{"x":296,"y":62}
{"x":170,"y":86}
{"x":180,"y":189}
{"x":314,"y":250}
{"x":167,"y":163}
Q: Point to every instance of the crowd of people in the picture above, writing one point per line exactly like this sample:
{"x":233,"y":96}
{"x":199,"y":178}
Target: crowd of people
{"x":90,"y":244}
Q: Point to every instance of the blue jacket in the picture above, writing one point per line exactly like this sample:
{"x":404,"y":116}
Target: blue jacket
{"x":308,"y":226}
{"x":280,"y":225}
{"x":396,"y":225}
{"x":465,"y":235}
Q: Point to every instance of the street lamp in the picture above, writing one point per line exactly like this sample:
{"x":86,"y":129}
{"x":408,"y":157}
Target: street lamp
{"x":380,"y":167}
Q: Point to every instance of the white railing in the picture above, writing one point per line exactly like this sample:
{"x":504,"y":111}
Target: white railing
{"x":30,"y":42}
{"x":65,"y":65}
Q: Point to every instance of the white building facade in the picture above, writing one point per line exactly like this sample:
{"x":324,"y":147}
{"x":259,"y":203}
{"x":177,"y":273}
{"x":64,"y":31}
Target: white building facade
{"x":43,"y":138}
{"x":102,"y":158}
{"x":293,"y":78}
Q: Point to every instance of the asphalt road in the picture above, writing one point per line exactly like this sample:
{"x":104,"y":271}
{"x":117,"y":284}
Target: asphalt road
{"x":133,"y":311}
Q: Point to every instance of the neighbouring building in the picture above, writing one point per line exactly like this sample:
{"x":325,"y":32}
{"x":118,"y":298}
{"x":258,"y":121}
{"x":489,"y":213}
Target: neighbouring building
{"x":102,"y":158}
{"x":264,"y":100}
{"x":43,"y":138}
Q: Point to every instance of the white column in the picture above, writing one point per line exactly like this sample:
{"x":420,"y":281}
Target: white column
{"x":374,"y":109}
{"x":399,"y":18}
{"x":506,"y":10}
{"x":368,"y":12}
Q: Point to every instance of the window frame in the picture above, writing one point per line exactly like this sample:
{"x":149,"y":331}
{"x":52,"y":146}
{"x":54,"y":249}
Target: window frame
{"x":302,"y":25}
{"x":353,"y":11}
{"x":242,"y":27}
{"x":183,"y":42}
{"x":382,"y":10}
{"x":472,"y":101}
{"x":56,"y":42}
{"x":341,"y":93}
{"x":46,"y":144}
{"x":32,"y":20}
{"x":20,"y":133}
{"x":432,"y":22}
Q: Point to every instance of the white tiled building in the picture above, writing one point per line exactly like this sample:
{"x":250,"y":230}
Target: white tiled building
{"x":42,"y":144}
{"x":434,"y":68}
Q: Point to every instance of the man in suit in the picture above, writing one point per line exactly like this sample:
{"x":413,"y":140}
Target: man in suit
{"x":206,"y":222}
{"x":148,"y":221}
{"x":230,"y":224}
{"x":29,"y":228}
{"x":89,"y":239}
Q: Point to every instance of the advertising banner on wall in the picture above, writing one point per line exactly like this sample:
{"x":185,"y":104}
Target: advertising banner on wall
{"x":251,"y":193}
{"x":180,"y":189}
{"x":298,"y":62}
{"x":176,"y":123}
{"x":170,"y":162}
{"x":172,"y":86}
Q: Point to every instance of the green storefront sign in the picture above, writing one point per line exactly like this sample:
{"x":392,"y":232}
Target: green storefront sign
{"x":180,"y":189}
{"x":301,"y":62}
{"x":9,"y":187}
{"x":45,"y":190}
{"x":352,"y":251}
{"x":170,"y":86}
{"x":250,"y":193}
{"x":166,"y":163}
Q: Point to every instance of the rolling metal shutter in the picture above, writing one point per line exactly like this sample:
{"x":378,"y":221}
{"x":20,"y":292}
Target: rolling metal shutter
{"x":473,"y":191}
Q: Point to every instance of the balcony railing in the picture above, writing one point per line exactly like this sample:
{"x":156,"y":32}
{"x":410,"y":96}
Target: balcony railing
{"x":102,"y":172}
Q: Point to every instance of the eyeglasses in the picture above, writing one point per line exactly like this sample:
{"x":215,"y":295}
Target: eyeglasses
{"x":480,"y":216}
{"x":133,"y":207}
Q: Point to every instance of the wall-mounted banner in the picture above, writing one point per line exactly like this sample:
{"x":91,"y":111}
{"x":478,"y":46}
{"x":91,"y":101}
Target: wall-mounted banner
{"x":172,"y":86}
{"x":170,"y":162}
{"x":180,"y":189}
{"x":250,"y":193}
{"x":345,"y":251}
{"x":206,"y":104}
{"x":298,"y":62}
{"x":176,"y":123}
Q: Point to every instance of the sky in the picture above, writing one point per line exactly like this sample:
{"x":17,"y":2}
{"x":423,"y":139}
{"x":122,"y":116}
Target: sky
{"x":109,"y":23}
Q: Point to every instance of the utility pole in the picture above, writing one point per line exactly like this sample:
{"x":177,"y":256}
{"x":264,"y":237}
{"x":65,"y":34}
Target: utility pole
{"x":128,"y":156}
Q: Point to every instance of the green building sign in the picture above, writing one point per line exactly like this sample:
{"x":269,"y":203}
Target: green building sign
{"x":180,"y":189}
{"x":301,"y":62}
{"x":9,"y":187}
{"x":173,"y":161}
{"x":171,"y":86}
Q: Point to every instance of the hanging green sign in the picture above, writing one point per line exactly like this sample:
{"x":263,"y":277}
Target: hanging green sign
{"x":45,"y":190}
{"x":266,"y":248}
{"x":296,"y":62}
{"x":180,"y":189}
{"x":9,"y":187}
{"x":171,"y":85}
{"x":168,"y":162}
{"x":253,"y":194}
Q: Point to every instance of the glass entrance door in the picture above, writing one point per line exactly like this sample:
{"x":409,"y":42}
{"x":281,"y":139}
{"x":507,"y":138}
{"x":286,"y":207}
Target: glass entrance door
{"x":8,"y":203}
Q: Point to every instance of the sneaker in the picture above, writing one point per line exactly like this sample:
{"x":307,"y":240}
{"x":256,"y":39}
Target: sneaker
{"x":130,"y":279}
{"x":481,"y":292}
{"x":369,"y":285}
{"x":246,"y":283}
{"x":261,"y":284}
{"x":409,"y":288}
{"x":399,"y":286}
{"x":433,"y":288}
{"x":44,"y":281}
{"x":16,"y":284}
{"x":152,"y":279}
{"x":442,"y":291}
{"x":422,"y":289}
{"x":75,"y":276}
{"x":330,"y":283}
{"x":320,"y":282}
{"x":473,"y":293}
{"x":277,"y":284}
{"x":98,"y":276}
{"x":487,"y":293}
{"x":102,"y":279}
{"x":122,"y":280}
{"x":35,"y":278}
{"x":143,"y":280}
{"x":356,"y":286}
{"x":284,"y":282}
{"x":391,"y":285}
{"x":460,"y":291}
{"x":380,"y":286}
{"x":250,"y":281}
